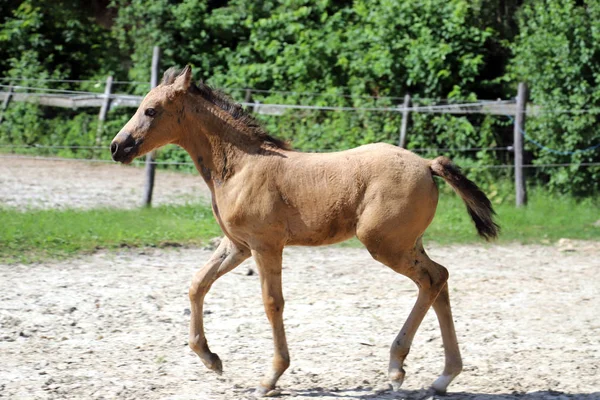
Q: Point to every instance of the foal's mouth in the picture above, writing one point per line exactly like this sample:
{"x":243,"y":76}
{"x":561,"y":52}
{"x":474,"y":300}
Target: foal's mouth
{"x":129,"y":154}
{"x":126,"y":154}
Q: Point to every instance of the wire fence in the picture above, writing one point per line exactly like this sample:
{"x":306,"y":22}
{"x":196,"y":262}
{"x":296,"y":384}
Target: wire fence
{"x":92,"y":160}
{"x":506,"y":108}
{"x":166,"y":163}
{"x":416,"y":150}
{"x":230,"y":89}
{"x":551,"y":150}
{"x":448,"y":105}
{"x":440,"y":103}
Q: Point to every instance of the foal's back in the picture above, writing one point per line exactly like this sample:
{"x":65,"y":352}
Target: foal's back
{"x":326,"y":197}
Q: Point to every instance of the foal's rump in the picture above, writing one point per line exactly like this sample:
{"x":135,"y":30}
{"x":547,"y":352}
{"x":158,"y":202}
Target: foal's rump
{"x":379,"y":185}
{"x":417,"y":193}
{"x":380,"y":192}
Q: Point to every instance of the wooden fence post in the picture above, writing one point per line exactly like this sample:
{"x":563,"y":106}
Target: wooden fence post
{"x":5,"y":102}
{"x":103,"y":110}
{"x":521,"y":189}
{"x":150,"y":165}
{"x":402,"y":142}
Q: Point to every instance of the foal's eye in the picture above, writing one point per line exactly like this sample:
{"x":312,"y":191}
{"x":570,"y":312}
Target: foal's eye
{"x":151,"y":112}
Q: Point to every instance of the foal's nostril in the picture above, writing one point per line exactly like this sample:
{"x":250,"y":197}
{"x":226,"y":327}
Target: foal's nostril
{"x":113,"y":148}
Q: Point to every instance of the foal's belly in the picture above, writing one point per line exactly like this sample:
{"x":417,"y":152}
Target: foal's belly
{"x":314,"y":240}
{"x":315,"y":233}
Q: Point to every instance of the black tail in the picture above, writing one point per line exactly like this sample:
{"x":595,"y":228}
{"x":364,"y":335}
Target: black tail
{"x":478,"y":205}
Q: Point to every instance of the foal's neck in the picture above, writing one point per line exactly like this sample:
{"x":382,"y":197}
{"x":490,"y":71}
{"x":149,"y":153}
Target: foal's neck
{"x":216,"y":145}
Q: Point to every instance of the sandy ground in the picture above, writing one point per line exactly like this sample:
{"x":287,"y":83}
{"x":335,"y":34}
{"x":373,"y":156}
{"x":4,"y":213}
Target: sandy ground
{"x":27,"y":183}
{"x":114,"y":326}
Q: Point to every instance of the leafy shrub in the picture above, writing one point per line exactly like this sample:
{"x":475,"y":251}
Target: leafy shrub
{"x":558,"y":53}
{"x":355,"y":53}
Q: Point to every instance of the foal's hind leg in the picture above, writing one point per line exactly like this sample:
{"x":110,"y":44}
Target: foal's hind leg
{"x":227,"y":256}
{"x":431,"y":279}
{"x":453,"y":363}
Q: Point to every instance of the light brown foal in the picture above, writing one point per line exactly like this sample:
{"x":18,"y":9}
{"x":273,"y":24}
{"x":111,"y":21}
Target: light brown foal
{"x":266,"y":196}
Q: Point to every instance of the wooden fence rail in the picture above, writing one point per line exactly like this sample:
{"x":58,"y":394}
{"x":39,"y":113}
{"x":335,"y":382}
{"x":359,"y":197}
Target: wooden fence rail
{"x":75,"y":101}
{"x":516,"y":109}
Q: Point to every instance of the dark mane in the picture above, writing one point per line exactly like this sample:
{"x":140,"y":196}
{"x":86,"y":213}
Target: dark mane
{"x":250,"y":125}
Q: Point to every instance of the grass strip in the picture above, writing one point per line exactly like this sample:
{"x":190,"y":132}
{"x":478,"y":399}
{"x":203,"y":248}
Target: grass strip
{"x":36,"y":235}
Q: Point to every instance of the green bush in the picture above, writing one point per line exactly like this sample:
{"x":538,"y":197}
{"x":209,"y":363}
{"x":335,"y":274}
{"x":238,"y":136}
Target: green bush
{"x":558,"y":53}
{"x":355,"y":53}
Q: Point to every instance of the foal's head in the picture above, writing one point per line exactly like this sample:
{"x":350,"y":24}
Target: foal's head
{"x":157,"y":120}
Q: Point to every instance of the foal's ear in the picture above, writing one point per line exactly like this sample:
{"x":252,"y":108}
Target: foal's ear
{"x":184,"y":80}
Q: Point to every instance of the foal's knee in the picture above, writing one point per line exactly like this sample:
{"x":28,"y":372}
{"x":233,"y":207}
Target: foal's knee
{"x":195,"y":290}
{"x":200,"y":283}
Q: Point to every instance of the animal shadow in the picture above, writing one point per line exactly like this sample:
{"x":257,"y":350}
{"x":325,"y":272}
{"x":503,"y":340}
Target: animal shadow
{"x":361,"y":393}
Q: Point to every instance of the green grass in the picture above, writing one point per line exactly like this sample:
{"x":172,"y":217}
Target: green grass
{"x":36,"y":235}
{"x":545,"y":219}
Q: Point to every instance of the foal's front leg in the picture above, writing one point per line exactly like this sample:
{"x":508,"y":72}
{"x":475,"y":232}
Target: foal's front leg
{"x":227,"y":256}
{"x":269,"y":266}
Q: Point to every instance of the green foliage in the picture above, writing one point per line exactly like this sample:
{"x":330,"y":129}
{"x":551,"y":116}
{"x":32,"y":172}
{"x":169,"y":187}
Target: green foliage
{"x":27,"y":125}
{"x":60,"y":36}
{"x":558,"y":53}
{"x":185,"y":31}
{"x":359,"y":54}
{"x":353,"y":53}
{"x":52,"y":40}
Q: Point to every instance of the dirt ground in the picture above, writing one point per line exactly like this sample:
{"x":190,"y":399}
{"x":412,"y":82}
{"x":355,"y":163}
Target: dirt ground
{"x":38,"y":183}
{"x":114,"y":326}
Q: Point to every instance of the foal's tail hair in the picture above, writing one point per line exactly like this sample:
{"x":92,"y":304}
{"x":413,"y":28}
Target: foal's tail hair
{"x":478,"y":205}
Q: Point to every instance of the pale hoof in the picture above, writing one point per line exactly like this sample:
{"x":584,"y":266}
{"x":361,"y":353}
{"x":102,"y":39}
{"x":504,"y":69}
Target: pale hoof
{"x":262,"y":391}
{"x":441,"y":384}
{"x":396,"y":386}
{"x":397,"y":378}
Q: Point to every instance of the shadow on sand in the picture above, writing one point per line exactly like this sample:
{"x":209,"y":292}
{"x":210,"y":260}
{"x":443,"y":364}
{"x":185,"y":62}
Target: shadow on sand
{"x":424,"y":394}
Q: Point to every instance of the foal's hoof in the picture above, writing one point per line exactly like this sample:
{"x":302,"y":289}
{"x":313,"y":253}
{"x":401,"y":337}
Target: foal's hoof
{"x":214,"y":363}
{"x":397,"y":378}
{"x":441,"y":384}
{"x":262,"y":391}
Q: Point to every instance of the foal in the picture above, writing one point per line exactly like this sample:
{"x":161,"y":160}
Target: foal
{"x":266,"y":196}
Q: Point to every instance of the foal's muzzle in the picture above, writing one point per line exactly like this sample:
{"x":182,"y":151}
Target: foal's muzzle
{"x":123,"y":147}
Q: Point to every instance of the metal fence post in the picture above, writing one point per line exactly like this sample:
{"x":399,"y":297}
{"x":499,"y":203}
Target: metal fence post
{"x":6,"y":102}
{"x":521,"y":189}
{"x":103,"y":110}
{"x":402,"y":142}
{"x":150,"y":165}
